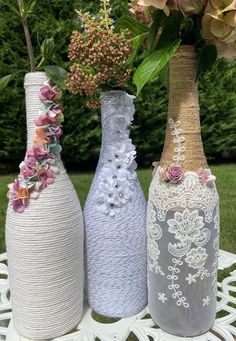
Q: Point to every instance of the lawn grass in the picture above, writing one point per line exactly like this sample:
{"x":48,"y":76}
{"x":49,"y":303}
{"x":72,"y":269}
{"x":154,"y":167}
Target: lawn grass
{"x":226,"y":184}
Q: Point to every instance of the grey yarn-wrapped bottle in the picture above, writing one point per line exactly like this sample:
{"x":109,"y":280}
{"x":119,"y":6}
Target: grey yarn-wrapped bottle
{"x":115,"y":218}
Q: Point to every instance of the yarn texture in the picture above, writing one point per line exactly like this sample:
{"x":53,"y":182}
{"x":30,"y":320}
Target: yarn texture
{"x":115,"y":218}
{"x":45,"y":249}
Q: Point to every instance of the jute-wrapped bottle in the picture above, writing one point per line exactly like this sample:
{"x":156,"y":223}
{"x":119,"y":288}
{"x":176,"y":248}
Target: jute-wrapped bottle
{"x":183,"y":215}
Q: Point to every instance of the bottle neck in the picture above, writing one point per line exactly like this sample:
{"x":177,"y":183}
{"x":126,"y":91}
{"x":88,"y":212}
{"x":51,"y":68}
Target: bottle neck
{"x":183,"y":144}
{"x":117,"y":112}
{"x":33,"y":82}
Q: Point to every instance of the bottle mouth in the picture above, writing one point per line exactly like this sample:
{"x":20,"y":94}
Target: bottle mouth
{"x":37,"y":78}
{"x":116,"y":94}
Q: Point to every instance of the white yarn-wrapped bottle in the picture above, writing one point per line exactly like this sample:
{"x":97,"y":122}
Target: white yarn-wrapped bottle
{"x":115,"y":218}
{"x":45,"y":249}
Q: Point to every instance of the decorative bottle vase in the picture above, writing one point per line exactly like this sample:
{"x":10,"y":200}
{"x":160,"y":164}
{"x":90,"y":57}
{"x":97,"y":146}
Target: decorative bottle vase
{"x":115,"y":218}
{"x":183,"y":215}
{"x":45,"y":248}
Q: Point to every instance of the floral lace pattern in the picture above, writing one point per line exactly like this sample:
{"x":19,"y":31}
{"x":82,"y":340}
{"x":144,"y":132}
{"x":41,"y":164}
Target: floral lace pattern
{"x":118,"y":174}
{"x":193,"y":204}
{"x":188,"y":228}
{"x":38,"y":170}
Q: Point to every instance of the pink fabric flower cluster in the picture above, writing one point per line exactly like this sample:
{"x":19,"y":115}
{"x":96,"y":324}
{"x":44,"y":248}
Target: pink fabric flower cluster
{"x":205,"y":176}
{"x":175,"y":174}
{"x":38,"y":169}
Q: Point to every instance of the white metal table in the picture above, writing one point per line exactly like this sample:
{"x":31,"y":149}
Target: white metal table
{"x":140,"y":325}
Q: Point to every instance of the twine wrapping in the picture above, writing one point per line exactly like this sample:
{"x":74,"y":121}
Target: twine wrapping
{"x":45,"y":249}
{"x":115,"y":246}
{"x":184,"y":107}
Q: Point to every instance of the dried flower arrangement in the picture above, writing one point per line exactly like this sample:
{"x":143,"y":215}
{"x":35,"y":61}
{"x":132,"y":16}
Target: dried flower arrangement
{"x":99,"y":56}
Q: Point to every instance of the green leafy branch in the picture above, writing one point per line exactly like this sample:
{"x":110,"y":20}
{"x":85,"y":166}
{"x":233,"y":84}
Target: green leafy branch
{"x":47,"y":48}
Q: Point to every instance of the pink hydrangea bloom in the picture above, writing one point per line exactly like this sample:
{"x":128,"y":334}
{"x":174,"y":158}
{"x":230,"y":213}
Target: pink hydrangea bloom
{"x":205,"y":176}
{"x":49,"y":93}
{"x":174,"y":173}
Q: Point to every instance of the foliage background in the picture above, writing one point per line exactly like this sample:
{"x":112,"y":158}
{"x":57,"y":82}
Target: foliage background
{"x":81,"y":140}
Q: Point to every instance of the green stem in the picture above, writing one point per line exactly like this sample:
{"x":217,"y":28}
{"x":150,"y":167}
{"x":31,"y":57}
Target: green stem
{"x":27,"y":35}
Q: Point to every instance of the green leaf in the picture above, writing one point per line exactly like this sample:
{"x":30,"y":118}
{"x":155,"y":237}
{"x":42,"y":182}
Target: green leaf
{"x":206,"y":56}
{"x":48,"y":48}
{"x":30,"y":8}
{"x":4,"y":81}
{"x":153,"y":64}
{"x":171,"y":29}
{"x":158,"y":17}
{"x":137,"y":42}
{"x":127,"y":22}
{"x":57,"y":75}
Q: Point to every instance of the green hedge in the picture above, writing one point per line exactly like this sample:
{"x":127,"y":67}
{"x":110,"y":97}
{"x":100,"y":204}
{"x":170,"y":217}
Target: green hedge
{"x":81,"y":140}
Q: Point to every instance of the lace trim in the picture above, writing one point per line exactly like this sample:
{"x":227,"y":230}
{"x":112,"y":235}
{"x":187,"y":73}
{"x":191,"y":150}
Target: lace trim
{"x":190,"y":192}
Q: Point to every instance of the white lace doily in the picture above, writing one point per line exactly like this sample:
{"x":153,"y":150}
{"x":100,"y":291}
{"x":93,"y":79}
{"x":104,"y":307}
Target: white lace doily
{"x":140,"y":325}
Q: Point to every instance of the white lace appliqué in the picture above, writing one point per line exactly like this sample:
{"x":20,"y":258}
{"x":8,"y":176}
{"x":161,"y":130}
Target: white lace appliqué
{"x":216,"y":246}
{"x":154,"y":234}
{"x":118,"y":174}
{"x":178,"y":139}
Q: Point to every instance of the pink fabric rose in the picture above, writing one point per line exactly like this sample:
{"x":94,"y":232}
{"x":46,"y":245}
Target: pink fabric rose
{"x":37,"y":151}
{"x":174,"y":173}
{"x":28,"y":167}
{"x":205,"y":176}
{"x":49,"y":93}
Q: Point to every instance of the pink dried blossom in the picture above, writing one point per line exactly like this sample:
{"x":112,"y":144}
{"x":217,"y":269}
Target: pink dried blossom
{"x":28,"y":167}
{"x":37,"y":151}
{"x":46,"y":177}
{"x":174,"y":173}
{"x":55,"y":111}
{"x":43,"y":120}
{"x":19,"y":197}
{"x":49,"y":93}
{"x":56,"y":131}
{"x":205,"y":176}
